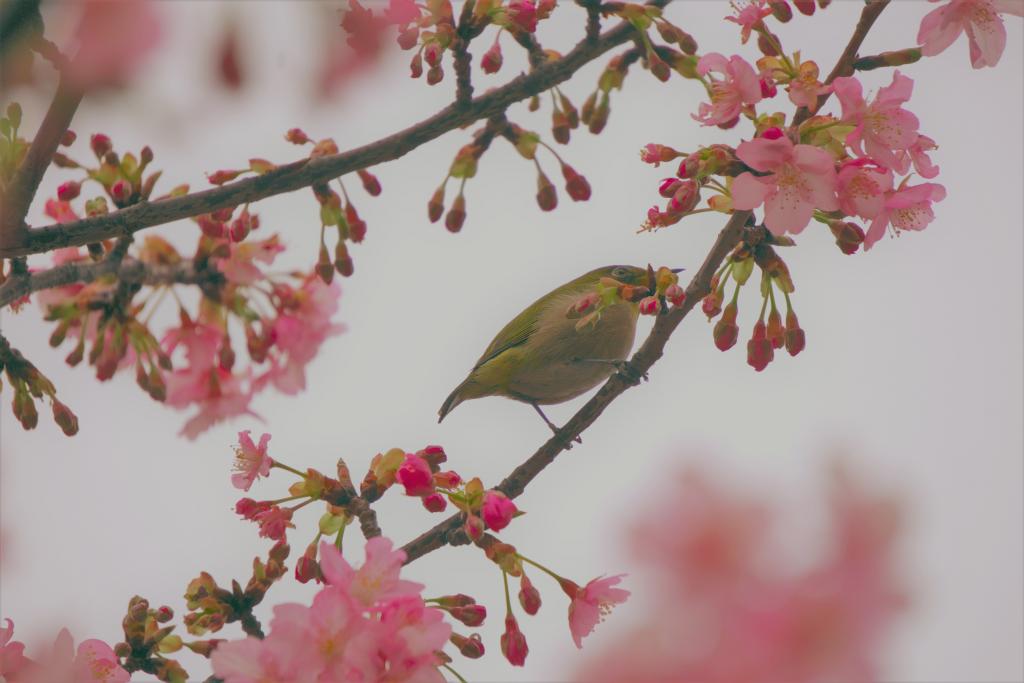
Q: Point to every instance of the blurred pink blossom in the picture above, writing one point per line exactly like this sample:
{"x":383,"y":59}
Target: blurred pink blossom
{"x":723,"y":613}
{"x":111,"y":40}
{"x":93,"y":662}
{"x":378,"y":578}
{"x":979,"y":19}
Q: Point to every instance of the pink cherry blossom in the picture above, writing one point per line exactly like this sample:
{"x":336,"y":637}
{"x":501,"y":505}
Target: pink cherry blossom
{"x":748,"y":16}
{"x":909,"y":207}
{"x":862,"y":187}
{"x":12,"y":653}
{"x":378,"y":578}
{"x":883,"y":127}
{"x":800,"y":178}
{"x":591,"y":604}
{"x":412,"y":634}
{"x":93,"y":662}
{"x":737,"y":87}
{"x":805,"y":88}
{"x":274,"y":522}
{"x":917,"y":155}
{"x":415,"y":476}
{"x":111,"y":39}
{"x":251,"y":461}
{"x":240,"y":267}
{"x":980,"y":19}
{"x":497,"y":510}
{"x":302,"y":325}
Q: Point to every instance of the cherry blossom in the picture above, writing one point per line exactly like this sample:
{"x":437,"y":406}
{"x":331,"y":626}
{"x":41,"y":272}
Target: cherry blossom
{"x":883,"y":127}
{"x":862,"y":187}
{"x":738,"y":87}
{"x":12,"y":653}
{"x":979,"y":19}
{"x":909,"y":207}
{"x":748,"y":16}
{"x":415,"y":476}
{"x":800,"y":178}
{"x":378,"y":578}
{"x":112,"y":38}
{"x":917,"y":155}
{"x":251,"y":461}
{"x":497,"y":510}
{"x":93,"y":662}
{"x":240,"y":267}
{"x":591,"y":604}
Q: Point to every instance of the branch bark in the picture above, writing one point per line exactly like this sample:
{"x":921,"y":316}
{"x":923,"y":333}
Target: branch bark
{"x":305,"y":172}
{"x":129,"y":270}
{"x":450,"y":530}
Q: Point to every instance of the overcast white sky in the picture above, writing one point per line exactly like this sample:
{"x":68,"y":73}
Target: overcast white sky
{"x":913,"y":364}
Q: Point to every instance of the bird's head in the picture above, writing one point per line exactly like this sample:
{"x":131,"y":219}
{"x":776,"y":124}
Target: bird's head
{"x":627,"y":275}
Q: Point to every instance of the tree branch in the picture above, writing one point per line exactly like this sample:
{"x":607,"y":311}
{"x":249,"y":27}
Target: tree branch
{"x":19,"y":194}
{"x":450,"y":530}
{"x":305,"y":172}
{"x":129,"y":270}
{"x":844,"y":65}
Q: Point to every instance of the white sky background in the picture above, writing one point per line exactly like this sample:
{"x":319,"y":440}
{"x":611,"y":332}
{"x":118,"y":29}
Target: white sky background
{"x":913,"y":364}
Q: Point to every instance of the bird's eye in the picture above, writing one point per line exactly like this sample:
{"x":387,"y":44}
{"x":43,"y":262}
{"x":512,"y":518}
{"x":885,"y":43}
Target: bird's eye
{"x":619,"y":273}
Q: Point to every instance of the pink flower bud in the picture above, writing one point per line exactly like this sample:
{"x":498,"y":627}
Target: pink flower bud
{"x":240,"y":228}
{"x":164,"y":614}
{"x":69,"y":190}
{"x":250,"y":509}
{"x":523,"y":15}
{"x":668,"y":187}
{"x":435,"y":75}
{"x":497,"y":510}
{"x":474,"y":527}
{"x":513,"y":643}
{"x":686,"y":197}
{"x":296,"y":136}
{"x":456,"y":215}
{"x":100,"y":145}
{"x":547,"y":196}
{"x":435,"y":502}
{"x":471,"y":647}
{"x":776,"y":332}
{"x":68,"y":138}
{"x":773,"y":133}
{"x":432,"y":54}
{"x":759,"y":348}
{"x":370,"y":182}
{"x":408,"y":38}
{"x":492,"y":59}
{"x":356,"y":225}
{"x":795,"y":338}
{"x":447,"y":479}
{"x":529,"y":596}
{"x":726,"y":331}
{"x":470,"y":615}
{"x":435,"y":207}
{"x":804,"y":6}
{"x":675,"y":294}
{"x":416,"y":66}
{"x":780,"y":10}
{"x":768,"y":87}
{"x":650,"y":305}
{"x":121,"y":192}
{"x":575,"y":184}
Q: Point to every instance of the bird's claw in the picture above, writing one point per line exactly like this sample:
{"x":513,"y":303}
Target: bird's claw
{"x":629,"y":373}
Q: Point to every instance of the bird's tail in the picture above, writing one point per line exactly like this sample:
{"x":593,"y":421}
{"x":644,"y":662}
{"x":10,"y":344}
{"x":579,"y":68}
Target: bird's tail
{"x":454,"y":399}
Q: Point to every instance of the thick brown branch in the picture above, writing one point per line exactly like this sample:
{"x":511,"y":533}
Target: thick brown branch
{"x":19,"y":194}
{"x":844,"y":65}
{"x":294,"y":176}
{"x":129,"y":271}
{"x":449,"y":531}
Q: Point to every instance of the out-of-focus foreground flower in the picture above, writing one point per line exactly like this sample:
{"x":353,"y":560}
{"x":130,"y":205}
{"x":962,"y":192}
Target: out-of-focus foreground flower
{"x":725,"y":610}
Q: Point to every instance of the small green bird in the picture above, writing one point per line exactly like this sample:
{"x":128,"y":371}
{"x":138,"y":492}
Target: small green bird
{"x":541,"y":358}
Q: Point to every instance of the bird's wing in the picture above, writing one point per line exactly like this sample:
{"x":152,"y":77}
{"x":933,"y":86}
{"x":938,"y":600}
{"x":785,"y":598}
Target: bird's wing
{"x":517,"y":332}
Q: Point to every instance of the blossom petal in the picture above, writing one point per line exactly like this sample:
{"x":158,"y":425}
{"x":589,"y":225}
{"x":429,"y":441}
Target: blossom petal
{"x":749,"y":191}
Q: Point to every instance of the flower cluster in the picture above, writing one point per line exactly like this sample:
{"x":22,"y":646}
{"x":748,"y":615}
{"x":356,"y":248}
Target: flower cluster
{"x":725,"y":611}
{"x":365,"y":624}
{"x":92,"y":662}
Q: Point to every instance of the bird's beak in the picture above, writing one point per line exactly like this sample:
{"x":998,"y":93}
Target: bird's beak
{"x":677,"y":270}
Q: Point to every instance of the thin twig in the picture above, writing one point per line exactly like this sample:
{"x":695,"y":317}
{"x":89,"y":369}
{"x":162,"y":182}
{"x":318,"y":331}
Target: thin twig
{"x":299,"y":174}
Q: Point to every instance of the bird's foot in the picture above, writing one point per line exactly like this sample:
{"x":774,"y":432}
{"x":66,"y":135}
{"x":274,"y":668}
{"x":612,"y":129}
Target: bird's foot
{"x":624,"y":368}
{"x":554,"y":428}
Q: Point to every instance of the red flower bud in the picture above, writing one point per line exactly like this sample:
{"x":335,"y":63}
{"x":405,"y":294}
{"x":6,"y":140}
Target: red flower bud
{"x":780,"y":10}
{"x":324,"y":268}
{"x":659,"y":69}
{"x":776,"y":332}
{"x":356,"y":225}
{"x":560,"y":127}
{"x":447,"y":479}
{"x":547,"y":195}
{"x":435,"y":207}
{"x":849,"y":236}
{"x":492,"y":59}
{"x":513,"y":643}
{"x":456,"y":215}
{"x":164,"y":614}
{"x":795,"y":338}
{"x":100,"y":144}
{"x":65,"y":419}
{"x":726,"y":331}
{"x":804,"y":6}
{"x":689,"y":167}
{"x":474,"y":527}
{"x":470,"y":615}
{"x":69,"y":190}
{"x":68,"y":138}
{"x":768,"y":47}
{"x":435,"y":502}
{"x":529,"y":596}
{"x":432,"y":53}
{"x":668,"y":187}
{"x":650,"y":305}
{"x":686,"y":197}
{"x":240,"y":228}
{"x":435,"y":75}
{"x":342,"y":261}
{"x":296,"y":136}
{"x":121,"y":192}
{"x":759,"y":348}
{"x":416,"y":66}
{"x":210,"y":227}
{"x":370,"y":182}
{"x":675,"y":294}
{"x":575,"y":184}
{"x":471,"y":647}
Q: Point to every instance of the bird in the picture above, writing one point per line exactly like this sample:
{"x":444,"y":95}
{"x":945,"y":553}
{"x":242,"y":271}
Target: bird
{"x":541,"y":358}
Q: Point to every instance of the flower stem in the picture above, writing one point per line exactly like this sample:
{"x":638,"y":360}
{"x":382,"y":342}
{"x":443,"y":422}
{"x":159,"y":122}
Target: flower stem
{"x":541,"y":567}
{"x":454,"y":673}
{"x":508,"y":599}
{"x":281,"y":465}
